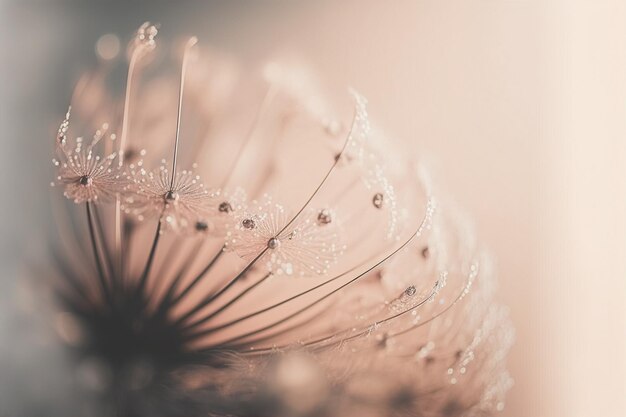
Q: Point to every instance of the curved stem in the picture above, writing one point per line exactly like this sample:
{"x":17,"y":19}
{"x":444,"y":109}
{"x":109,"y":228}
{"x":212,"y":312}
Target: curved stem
{"x":190,"y":43}
{"x":169,"y":293}
{"x":330,"y":170}
{"x":119,"y":226}
{"x":212,"y":297}
{"x":319,"y":300}
{"x":232,"y":301}
{"x":197,"y":279}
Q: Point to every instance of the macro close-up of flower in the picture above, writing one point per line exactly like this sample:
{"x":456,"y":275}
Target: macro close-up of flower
{"x":298,"y":211}
{"x":308,"y":270}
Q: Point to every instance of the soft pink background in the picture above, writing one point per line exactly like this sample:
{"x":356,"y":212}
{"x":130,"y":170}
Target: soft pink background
{"x":520,"y":106}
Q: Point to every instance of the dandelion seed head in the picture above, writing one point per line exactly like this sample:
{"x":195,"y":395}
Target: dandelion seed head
{"x":301,"y":248}
{"x":181,"y":202}
{"x":311,"y":271}
{"x":85,"y":175}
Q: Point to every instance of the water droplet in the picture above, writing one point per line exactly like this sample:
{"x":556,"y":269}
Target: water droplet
{"x":146,"y":34}
{"x":248,"y":224}
{"x":171,"y":196}
{"x":273,"y":243}
{"x":85,"y":180}
{"x":324,"y":217}
{"x":225,"y":207}
{"x":202,"y":226}
{"x":378,"y":200}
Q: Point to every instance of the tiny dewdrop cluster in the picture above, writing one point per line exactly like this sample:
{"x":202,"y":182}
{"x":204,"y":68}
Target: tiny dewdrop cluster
{"x":245,"y":244}
{"x":308,"y":245}
{"x":84,"y":175}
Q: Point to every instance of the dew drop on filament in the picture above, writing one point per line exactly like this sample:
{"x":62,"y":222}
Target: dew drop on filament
{"x":225,"y":207}
{"x":248,"y":224}
{"x":378,"y":200}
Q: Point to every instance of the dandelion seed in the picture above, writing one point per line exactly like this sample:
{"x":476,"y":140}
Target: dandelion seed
{"x":304,"y":248}
{"x":395,"y":316}
{"x":86,"y":176}
{"x":180,"y":205}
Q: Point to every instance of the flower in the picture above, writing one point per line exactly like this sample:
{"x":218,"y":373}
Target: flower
{"x":360,"y":293}
{"x":180,"y":202}
{"x":300,"y":245}
{"x":84,"y":175}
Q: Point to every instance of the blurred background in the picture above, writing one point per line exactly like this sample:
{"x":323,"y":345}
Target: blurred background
{"x":519,"y":104}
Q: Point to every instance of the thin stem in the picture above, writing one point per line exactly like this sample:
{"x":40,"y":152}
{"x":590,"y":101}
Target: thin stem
{"x":108,"y":262}
{"x":469,"y":280}
{"x":144,"y":276}
{"x":417,"y":232}
{"x":369,"y":327}
{"x":359,"y":333}
{"x":211,"y":297}
{"x":126,"y":116}
{"x":330,"y":170}
{"x":275,"y":334}
{"x":128,"y":233}
{"x":167,"y":298}
{"x":168,"y":259}
{"x":273,"y":306}
{"x":190,"y":43}
{"x":459,"y":296}
{"x":94,"y":245}
{"x":207,"y":300}
{"x":119,"y":226}
{"x":312,"y":304}
{"x":233,"y":300}
{"x":119,"y":232}
{"x":197,"y":279}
